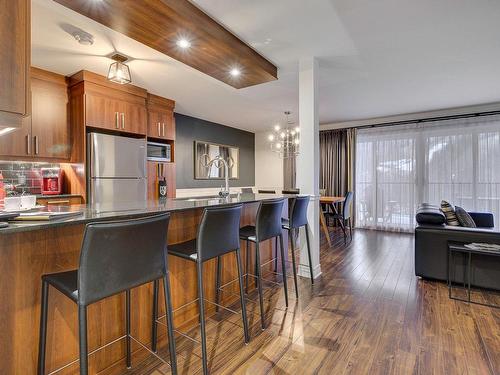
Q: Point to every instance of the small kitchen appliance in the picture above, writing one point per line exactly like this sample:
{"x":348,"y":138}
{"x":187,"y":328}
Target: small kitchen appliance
{"x":52,"y":181}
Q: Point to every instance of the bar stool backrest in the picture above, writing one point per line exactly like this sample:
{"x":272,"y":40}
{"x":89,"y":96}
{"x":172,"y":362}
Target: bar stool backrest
{"x":268,"y":222}
{"x":346,"y":209}
{"x":219,"y":232}
{"x":246,"y":190}
{"x":266,"y":191}
{"x":298,"y":211}
{"x":121,"y":255}
{"x":291,"y":191}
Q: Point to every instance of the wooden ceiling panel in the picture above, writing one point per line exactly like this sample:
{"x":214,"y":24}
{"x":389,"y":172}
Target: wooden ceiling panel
{"x":159,"y":24}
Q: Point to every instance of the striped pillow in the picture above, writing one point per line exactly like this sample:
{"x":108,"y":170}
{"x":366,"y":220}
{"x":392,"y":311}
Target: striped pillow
{"x":449,"y":213}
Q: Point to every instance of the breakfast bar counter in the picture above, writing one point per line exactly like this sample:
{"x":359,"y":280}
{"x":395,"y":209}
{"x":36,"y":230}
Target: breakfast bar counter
{"x":30,"y":249}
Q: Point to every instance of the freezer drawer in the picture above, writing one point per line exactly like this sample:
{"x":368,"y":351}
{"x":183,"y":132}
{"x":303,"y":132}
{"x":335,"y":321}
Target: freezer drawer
{"x":116,"y":156}
{"x":112,"y":190}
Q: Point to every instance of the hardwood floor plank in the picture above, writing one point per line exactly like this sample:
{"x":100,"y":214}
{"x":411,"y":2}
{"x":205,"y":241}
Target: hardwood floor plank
{"x":366,"y":314}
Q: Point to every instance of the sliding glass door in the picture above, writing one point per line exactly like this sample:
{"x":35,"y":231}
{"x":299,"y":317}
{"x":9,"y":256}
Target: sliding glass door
{"x":399,"y":167}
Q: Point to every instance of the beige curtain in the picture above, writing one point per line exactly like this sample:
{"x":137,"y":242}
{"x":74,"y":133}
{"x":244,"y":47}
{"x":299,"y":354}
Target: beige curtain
{"x":337,"y":161}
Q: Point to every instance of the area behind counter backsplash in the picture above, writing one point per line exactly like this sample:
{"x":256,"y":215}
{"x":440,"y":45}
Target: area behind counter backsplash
{"x":23,"y":177}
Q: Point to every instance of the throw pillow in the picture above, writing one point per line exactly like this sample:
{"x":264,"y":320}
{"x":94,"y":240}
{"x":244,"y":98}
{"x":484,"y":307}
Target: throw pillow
{"x":464,"y":218}
{"x":449,"y":212}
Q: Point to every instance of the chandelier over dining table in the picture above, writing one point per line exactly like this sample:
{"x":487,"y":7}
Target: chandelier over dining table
{"x":285,"y":138}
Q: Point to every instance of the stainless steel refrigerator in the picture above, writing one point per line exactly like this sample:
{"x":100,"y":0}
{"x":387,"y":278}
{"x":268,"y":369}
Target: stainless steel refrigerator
{"x":117,"y":169}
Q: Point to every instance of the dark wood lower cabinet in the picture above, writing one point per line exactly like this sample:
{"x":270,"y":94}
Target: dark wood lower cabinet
{"x":26,"y":256}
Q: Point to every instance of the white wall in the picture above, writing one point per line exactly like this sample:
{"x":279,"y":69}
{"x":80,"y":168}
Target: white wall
{"x":268,"y":165}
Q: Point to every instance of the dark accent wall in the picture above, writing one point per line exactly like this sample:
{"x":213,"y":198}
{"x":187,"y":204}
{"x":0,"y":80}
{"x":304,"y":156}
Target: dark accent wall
{"x":190,"y":129}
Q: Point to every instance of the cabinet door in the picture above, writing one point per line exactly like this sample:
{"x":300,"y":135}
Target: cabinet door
{"x":155,"y":172}
{"x":102,"y":112}
{"x":15,"y":44}
{"x":50,"y":125}
{"x":133,"y":118}
{"x":154,"y":124}
{"x":17,"y":142}
{"x":168,"y":125}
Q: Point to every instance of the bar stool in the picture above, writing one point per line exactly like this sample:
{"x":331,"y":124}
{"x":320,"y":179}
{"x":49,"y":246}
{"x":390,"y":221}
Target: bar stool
{"x":297,"y":218}
{"x":267,"y":226}
{"x":217,"y":235}
{"x":115,"y":257}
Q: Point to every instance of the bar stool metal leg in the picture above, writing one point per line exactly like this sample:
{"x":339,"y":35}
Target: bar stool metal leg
{"x":309,"y":253}
{"x":259,"y":285}
{"x":247,"y":266}
{"x":201,"y":304}
{"x":217,"y":283}
{"x":43,"y":328}
{"x":283,"y":266}
{"x":276,"y":254}
{"x":127,"y":324}
{"x":82,"y":328}
{"x":290,"y":234}
{"x":170,"y":321}
{"x":242,"y":298}
{"x":154,"y":327}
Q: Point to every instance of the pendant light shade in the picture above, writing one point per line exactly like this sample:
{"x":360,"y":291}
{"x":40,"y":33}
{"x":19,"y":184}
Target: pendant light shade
{"x":118,"y":71}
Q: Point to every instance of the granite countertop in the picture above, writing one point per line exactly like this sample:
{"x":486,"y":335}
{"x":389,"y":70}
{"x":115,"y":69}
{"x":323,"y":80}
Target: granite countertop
{"x":131,"y":210}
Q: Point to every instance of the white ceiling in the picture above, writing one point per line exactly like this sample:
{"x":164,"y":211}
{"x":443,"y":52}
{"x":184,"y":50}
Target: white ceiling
{"x":377,"y":58}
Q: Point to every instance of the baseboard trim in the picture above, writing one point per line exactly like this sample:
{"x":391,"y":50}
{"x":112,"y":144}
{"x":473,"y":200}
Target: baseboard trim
{"x":304,"y":271}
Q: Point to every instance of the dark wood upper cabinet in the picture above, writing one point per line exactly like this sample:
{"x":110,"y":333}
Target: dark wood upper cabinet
{"x":45,"y":134}
{"x":107,"y":105}
{"x":49,"y":118}
{"x":15,"y":47}
{"x":161,"y":123}
{"x":17,"y":142}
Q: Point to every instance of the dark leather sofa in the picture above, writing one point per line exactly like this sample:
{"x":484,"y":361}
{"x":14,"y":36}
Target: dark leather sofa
{"x":431,"y":248}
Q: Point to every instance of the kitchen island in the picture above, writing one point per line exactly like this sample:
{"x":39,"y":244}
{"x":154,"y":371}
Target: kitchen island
{"x":29,"y":250}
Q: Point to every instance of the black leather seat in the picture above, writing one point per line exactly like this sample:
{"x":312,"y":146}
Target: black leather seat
{"x":65,"y":282}
{"x":432,"y":236}
{"x":217,"y":235}
{"x":267,"y":226}
{"x":115,"y":257}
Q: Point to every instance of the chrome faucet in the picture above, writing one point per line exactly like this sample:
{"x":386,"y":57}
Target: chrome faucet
{"x":217,"y":161}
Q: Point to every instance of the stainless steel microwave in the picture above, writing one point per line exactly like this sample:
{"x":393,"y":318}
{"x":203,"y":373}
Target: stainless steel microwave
{"x":159,"y":152}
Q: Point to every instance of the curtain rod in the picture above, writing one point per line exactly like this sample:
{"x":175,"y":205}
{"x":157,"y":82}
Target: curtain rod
{"x":428,"y":119}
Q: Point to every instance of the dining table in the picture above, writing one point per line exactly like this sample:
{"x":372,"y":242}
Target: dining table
{"x":332,"y":203}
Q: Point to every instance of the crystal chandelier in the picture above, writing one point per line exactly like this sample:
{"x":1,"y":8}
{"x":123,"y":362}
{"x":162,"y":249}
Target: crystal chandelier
{"x":285,"y":139}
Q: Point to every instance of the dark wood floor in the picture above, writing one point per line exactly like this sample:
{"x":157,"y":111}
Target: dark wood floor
{"x":367,"y":314}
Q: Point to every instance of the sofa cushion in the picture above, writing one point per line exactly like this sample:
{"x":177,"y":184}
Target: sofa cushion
{"x":428,"y":214}
{"x":449,"y":213}
{"x":464,"y":218}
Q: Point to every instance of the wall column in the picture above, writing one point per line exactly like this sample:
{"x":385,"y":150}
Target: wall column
{"x":308,"y":160}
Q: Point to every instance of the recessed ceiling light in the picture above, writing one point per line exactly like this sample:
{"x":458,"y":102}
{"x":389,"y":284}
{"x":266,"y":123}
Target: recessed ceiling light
{"x":235,"y":72}
{"x":183,"y":43}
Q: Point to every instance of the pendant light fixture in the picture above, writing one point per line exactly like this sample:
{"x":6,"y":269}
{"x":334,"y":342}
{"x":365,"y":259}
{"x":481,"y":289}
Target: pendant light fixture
{"x":118,"y":71}
{"x":285,"y":138}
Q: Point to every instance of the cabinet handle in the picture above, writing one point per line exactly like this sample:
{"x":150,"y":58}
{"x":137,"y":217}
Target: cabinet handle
{"x":159,"y":132}
{"x":35,"y":138}
{"x":123,"y":120}
{"x":117,"y":125}
{"x":163,"y":129}
{"x":28,"y":144}
{"x":57,"y":202}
